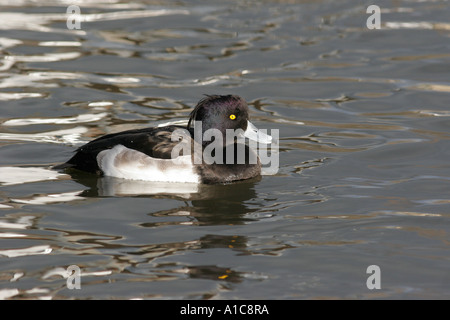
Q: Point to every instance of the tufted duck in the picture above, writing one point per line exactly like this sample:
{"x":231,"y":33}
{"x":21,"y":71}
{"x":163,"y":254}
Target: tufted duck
{"x":208,"y":150}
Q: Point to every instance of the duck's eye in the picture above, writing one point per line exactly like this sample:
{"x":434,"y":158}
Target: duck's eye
{"x":232,"y":116}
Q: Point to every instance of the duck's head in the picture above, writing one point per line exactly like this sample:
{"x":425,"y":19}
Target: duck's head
{"x":224,"y":112}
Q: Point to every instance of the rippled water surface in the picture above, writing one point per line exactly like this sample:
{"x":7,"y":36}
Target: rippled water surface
{"x":364,"y":176}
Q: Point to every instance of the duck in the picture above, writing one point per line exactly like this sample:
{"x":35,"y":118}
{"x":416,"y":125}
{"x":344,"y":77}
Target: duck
{"x":202,"y":152}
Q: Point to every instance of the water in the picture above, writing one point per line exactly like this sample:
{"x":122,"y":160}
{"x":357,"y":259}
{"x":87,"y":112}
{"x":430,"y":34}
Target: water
{"x":364,"y":175}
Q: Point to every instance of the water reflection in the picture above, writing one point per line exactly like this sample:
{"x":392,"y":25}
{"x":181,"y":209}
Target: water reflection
{"x":207,"y":204}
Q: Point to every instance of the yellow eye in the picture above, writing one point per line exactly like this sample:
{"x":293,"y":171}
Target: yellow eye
{"x":232,"y":116}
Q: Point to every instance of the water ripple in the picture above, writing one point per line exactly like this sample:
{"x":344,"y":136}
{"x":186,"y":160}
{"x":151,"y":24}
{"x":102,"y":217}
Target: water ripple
{"x":66,"y":136}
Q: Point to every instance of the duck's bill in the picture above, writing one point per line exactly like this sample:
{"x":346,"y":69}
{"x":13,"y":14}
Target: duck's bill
{"x":255,"y":134}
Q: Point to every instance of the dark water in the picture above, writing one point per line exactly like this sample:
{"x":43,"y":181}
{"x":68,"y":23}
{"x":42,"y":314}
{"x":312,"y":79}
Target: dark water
{"x":364,"y":175}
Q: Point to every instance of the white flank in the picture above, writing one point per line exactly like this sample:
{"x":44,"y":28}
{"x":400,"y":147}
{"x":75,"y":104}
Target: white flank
{"x":125,"y":163}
